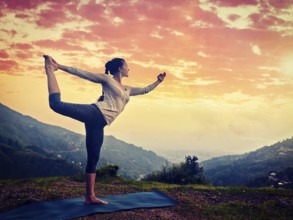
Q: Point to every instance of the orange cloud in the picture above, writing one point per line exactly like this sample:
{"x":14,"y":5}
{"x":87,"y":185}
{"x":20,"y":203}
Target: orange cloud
{"x":3,"y":54}
{"x":22,"y":46}
{"x":8,"y":66}
{"x":92,"y":12}
{"x":235,"y":3}
{"x":58,"y":45}
{"x":19,"y":5}
{"x":50,"y":17}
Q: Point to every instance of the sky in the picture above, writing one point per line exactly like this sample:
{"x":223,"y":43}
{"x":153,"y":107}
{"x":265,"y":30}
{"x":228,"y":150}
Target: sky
{"x":229,"y":64}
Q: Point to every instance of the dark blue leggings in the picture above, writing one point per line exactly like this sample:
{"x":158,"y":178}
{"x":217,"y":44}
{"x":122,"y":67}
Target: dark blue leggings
{"x":94,"y":122}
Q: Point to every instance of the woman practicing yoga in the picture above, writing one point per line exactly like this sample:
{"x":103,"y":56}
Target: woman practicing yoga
{"x":95,"y":116}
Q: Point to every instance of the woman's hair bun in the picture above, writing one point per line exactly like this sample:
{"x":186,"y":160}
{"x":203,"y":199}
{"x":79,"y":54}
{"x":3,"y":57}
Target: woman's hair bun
{"x":107,"y":67}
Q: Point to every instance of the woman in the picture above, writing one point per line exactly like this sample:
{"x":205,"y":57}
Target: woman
{"x":95,"y":116}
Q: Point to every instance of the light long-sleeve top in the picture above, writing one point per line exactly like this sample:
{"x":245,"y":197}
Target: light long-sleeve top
{"x":115,"y":96}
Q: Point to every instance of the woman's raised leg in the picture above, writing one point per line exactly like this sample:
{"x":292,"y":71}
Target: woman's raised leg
{"x":50,"y":67}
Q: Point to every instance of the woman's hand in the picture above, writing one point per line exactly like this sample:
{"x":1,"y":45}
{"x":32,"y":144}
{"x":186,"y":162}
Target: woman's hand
{"x":50,"y":63}
{"x":161,"y":77}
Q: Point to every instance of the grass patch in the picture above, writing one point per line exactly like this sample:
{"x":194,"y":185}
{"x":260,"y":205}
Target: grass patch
{"x":149,"y":185}
{"x":241,"y":210}
{"x":231,"y":210}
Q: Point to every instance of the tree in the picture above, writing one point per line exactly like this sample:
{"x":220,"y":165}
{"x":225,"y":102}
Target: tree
{"x":192,"y":172}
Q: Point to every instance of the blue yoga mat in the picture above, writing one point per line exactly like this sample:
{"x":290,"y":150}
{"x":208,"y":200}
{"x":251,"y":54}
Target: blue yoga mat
{"x":74,"y":208}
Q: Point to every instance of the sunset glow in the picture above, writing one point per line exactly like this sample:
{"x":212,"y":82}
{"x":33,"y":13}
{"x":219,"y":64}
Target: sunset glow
{"x":229,"y":87}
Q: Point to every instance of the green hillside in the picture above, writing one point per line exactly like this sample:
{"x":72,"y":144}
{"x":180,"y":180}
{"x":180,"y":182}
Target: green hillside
{"x":17,"y":161}
{"x":241,"y":170}
{"x":133,"y":161}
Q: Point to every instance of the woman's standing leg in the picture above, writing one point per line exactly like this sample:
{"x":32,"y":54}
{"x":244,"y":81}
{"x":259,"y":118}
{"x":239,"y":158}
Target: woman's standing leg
{"x":94,"y":141}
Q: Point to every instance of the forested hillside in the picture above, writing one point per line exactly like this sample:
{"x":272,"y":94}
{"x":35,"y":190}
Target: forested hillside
{"x":244,"y":169}
{"x":17,"y":161}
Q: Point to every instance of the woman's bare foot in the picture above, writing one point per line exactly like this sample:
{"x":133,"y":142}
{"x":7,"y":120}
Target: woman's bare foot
{"x":50,"y":63}
{"x":92,"y":200}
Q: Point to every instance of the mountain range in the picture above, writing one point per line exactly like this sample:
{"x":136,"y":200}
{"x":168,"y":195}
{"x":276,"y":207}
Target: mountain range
{"x":30,"y":148}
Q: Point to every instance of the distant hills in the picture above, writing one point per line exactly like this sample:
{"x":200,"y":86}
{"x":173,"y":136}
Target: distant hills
{"x":31,"y":148}
{"x":254,"y":168}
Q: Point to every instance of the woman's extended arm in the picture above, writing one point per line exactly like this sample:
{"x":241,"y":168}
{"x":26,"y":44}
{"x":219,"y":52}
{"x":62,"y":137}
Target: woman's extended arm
{"x":140,"y":91}
{"x":93,"y":77}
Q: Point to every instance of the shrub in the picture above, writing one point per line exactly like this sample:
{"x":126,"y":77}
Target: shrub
{"x":187,"y":172}
{"x":102,"y":173}
{"x":107,"y":171}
